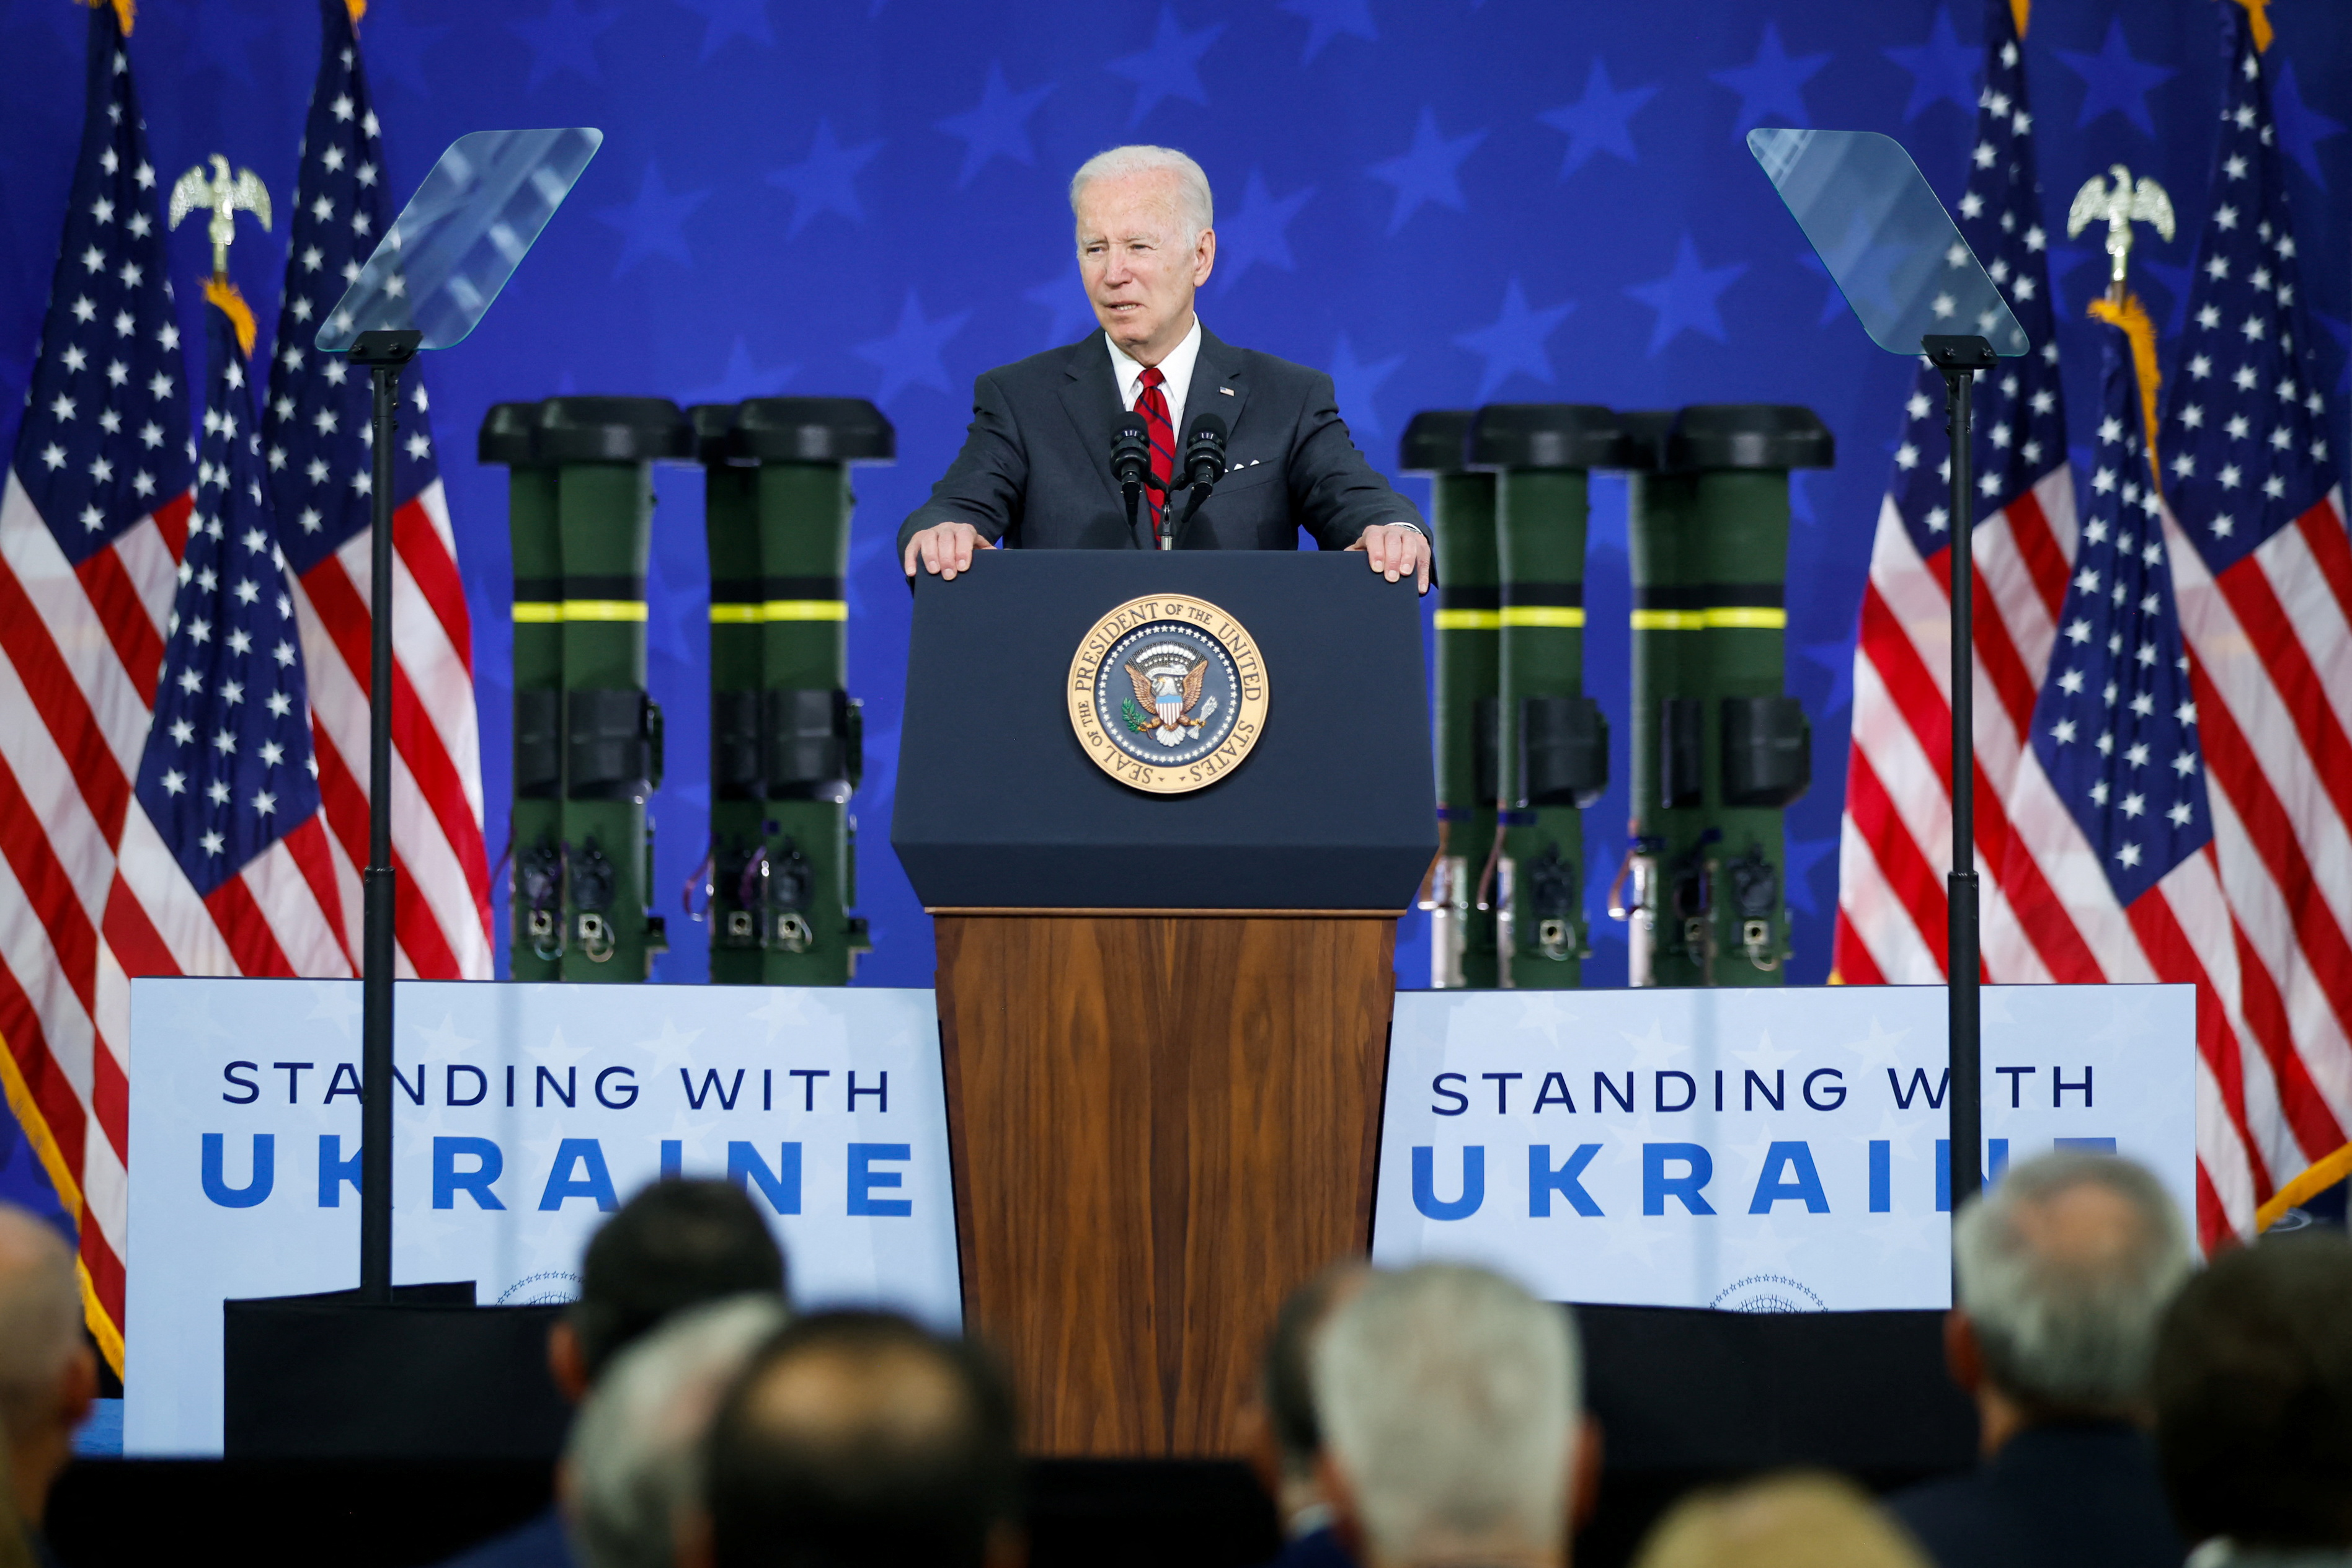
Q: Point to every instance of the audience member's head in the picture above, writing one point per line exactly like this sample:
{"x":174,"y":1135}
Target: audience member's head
{"x":1449,"y":1401}
{"x":2253,"y":1397}
{"x":677,"y":1244}
{"x":1802,"y":1519}
{"x":2063,"y":1269}
{"x":862,"y":1440}
{"x":1291,"y":1436}
{"x":633,"y":1466}
{"x":47,"y":1375}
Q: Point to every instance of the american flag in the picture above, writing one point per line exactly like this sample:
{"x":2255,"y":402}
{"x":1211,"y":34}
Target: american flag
{"x":92,"y":524}
{"x":225,"y":871}
{"x":317,"y":439}
{"x":2263,"y":570}
{"x":1897,"y":838}
{"x":2114,"y":789}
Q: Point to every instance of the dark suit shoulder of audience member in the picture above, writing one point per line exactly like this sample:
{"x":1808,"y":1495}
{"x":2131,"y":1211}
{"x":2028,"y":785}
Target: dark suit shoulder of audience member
{"x":2062,"y":1271}
{"x":2080,"y":1496}
{"x":1317,"y":1548}
{"x":538,"y":1542}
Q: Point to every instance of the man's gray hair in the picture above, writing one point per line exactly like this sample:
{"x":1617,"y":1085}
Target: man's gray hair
{"x":633,"y":1460}
{"x":1449,"y":1399}
{"x":1194,"y":206}
{"x":2069,"y":1327}
{"x":40,"y":1317}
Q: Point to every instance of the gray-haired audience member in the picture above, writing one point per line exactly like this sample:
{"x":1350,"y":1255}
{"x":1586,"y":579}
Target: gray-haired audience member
{"x":675,"y":1245}
{"x":632,"y":1465}
{"x":1287,"y":1446}
{"x":2064,"y":1270}
{"x":862,"y":1440}
{"x":47,"y":1375}
{"x":1449,"y":1399}
{"x":2253,"y":1405}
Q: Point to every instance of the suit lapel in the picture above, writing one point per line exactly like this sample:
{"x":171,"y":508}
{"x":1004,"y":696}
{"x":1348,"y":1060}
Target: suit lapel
{"x":1090,"y":397}
{"x":1218,"y":367}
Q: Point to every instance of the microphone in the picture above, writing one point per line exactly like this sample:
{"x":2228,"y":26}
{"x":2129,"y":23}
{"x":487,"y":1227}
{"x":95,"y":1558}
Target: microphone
{"x":1130,"y":462}
{"x":1204,"y":451}
{"x":1204,"y":465}
{"x":1130,"y":454}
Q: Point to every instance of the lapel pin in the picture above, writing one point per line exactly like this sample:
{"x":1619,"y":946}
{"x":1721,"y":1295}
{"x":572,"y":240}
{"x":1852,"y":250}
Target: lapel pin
{"x":1227,"y":391}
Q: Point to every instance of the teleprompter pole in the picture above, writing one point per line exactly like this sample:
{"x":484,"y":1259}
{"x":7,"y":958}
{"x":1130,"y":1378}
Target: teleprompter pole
{"x":384,"y":353}
{"x":1958,"y":360}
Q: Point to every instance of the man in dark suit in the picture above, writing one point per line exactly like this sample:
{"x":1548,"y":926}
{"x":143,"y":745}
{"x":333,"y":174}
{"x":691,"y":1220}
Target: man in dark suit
{"x":2062,"y":1273}
{"x":675,"y":1246}
{"x":1282,"y":1433}
{"x":2253,"y":1404}
{"x":1034,"y":470}
{"x":48,"y":1377}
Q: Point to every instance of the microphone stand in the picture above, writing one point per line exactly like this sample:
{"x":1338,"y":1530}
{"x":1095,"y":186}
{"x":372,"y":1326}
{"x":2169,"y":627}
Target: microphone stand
{"x":1957,"y":360}
{"x":384,"y":352}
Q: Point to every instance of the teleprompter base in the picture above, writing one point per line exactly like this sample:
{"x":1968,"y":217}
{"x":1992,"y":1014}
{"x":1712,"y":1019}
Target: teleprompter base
{"x":1160,"y":1125}
{"x":428,"y":1376}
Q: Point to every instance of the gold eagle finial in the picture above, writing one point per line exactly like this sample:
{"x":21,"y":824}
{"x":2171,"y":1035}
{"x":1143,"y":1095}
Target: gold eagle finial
{"x":2121,"y":205}
{"x":226,"y":196}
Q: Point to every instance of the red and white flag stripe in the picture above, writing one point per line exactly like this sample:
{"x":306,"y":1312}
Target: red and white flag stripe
{"x":2271,"y":645}
{"x":79,"y":648}
{"x":442,"y":916}
{"x":1897,"y":838}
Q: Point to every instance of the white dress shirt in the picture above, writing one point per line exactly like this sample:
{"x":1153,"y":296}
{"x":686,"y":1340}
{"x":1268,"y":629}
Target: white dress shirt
{"x":1176,"y":370}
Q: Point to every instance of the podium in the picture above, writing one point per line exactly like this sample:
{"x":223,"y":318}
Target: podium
{"x":1163,"y":1017}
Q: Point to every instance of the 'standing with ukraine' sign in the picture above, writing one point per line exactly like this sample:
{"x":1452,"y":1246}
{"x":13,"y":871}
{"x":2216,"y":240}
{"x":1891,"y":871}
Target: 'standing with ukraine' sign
{"x":1761,"y":1150}
{"x":522,"y":1116}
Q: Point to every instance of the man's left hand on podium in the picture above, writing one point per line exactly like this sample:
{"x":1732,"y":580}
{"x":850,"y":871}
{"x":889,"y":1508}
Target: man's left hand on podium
{"x":1397,"y":550}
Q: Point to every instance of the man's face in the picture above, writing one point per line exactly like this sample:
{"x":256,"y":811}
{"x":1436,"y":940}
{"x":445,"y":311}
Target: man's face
{"x":1140,"y":273}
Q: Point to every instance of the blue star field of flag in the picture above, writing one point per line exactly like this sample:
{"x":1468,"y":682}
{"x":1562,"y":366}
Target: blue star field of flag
{"x":2247,"y":434}
{"x":1439,"y":201}
{"x":227,"y":769}
{"x":2116,"y":724}
{"x":105,"y":435}
{"x":315,"y":429}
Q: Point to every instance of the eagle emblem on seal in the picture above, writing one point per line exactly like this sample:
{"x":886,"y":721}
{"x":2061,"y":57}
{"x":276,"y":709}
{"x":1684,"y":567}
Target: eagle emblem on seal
{"x":1167,"y":681}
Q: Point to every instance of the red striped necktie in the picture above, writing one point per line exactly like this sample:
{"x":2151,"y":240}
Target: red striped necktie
{"x":1152,"y":405}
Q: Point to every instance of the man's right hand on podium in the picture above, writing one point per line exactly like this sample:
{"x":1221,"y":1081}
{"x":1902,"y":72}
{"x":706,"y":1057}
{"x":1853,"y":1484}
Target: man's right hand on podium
{"x":945,"y":549}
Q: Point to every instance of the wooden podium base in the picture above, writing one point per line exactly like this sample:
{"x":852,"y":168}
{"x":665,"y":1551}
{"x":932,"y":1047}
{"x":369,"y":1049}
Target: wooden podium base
{"x":1161,"y":1123}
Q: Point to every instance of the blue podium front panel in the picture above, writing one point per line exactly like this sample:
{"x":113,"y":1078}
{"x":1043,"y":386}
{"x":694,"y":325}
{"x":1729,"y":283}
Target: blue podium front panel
{"x":1001,"y":806}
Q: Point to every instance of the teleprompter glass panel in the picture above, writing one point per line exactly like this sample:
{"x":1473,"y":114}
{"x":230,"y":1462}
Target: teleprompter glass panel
{"x":461,"y":237}
{"x":1890,"y":246}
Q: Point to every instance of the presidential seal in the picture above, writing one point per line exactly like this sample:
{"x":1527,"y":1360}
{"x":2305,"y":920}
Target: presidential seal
{"x":1766,"y":1294}
{"x":1167,"y":694}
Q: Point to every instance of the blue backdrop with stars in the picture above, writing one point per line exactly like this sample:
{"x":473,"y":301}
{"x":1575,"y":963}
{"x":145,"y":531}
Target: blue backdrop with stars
{"x":1440,"y":201}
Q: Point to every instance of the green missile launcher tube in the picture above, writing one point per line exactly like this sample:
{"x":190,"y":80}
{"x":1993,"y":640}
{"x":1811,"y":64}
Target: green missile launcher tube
{"x":787,"y":739}
{"x":604,"y":449}
{"x":1469,"y":638}
{"x":738,"y":809}
{"x":1552,"y":743}
{"x":535,"y":829}
{"x":1720,"y":751}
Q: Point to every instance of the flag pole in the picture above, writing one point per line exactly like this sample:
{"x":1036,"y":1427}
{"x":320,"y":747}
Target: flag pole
{"x":384,"y":352}
{"x":1958,"y":358}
